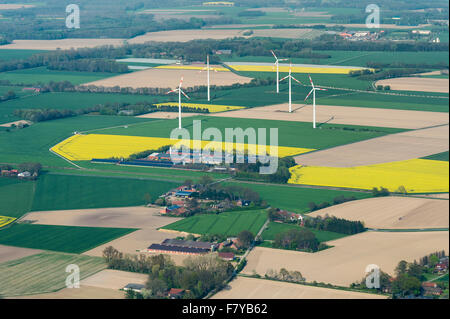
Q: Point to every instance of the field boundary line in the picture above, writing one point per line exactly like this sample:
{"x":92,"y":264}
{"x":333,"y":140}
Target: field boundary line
{"x":66,"y":159}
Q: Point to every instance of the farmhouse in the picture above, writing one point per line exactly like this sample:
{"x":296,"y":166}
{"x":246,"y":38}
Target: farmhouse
{"x":134,"y":287}
{"x":226,"y":256}
{"x":431,"y":288}
{"x":185,"y":247}
{"x":175,"y":293}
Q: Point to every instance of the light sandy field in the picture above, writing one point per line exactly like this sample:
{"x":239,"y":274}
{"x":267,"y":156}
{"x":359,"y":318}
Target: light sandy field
{"x":253,"y":288}
{"x":114,"y":279}
{"x":165,"y":115}
{"x":15,"y":123}
{"x":185,"y":35}
{"x":84,"y":292}
{"x":291,"y":33}
{"x":441,"y":195}
{"x":382,"y":26}
{"x":6,"y":6}
{"x":344,"y":115}
{"x":169,"y":78}
{"x":10,"y":253}
{"x":346,"y":262}
{"x":416,"y":84}
{"x":63,"y":44}
{"x":393,"y":212}
{"x":389,"y":148}
{"x":121,"y":217}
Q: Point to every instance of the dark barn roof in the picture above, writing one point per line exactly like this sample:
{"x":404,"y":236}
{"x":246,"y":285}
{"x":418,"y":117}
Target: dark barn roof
{"x":176,"y":249}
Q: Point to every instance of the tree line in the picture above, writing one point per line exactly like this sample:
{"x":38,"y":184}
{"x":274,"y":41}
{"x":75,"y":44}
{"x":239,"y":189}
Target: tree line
{"x":334,"y":224}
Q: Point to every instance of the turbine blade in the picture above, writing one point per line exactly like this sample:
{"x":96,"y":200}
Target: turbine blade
{"x":310,"y":81}
{"x":309,"y":94}
{"x":171,"y":91}
{"x":320,"y":89}
{"x":284,"y":78}
{"x":181,"y":82}
{"x":296,"y":80}
{"x":185,"y":95}
{"x":273,"y":53}
{"x":283,"y":59}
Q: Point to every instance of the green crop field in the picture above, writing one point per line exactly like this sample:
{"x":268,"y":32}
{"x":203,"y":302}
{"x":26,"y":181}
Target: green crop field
{"x":228,"y":223}
{"x":295,"y":134}
{"x":16,"y":196}
{"x":438,"y":157}
{"x":275,"y":228}
{"x":44,"y":75}
{"x":17,"y":54}
{"x":296,"y":199}
{"x":44,"y":272}
{"x":55,"y":192}
{"x":32,"y":144}
{"x":69,"y":239}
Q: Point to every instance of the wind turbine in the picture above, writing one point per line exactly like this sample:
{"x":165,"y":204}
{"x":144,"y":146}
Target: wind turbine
{"x":207,"y":69}
{"x":278,"y":71}
{"x":313,"y":91}
{"x":290,"y":89}
{"x":180,"y":91}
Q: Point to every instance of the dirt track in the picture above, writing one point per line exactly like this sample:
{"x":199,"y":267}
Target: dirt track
{"x":393,"y":212}
{"x":389,"y":148}
{"x":416,"y":84}
{"x":253,"y":288}
{"x":63,"y":44}
{"x":344,"y":115}
{"x":169,"y":78}
{"x":346,"y":262}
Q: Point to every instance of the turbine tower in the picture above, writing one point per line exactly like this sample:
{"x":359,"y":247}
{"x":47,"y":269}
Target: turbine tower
{"x":207,"y":69}
{"x":290,"y":77}
{"x":278,"y":69}
{"x":180,"y":91}
{"x":313,"y":91}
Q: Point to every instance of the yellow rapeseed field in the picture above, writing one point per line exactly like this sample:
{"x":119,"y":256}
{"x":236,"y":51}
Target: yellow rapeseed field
{"x":191,"y":67}
{"x":5,"y":220}
{"x":416,"y":175}
{"x":295,"y":69}
{"x":211,"y":107}
{"x":86,"y":147}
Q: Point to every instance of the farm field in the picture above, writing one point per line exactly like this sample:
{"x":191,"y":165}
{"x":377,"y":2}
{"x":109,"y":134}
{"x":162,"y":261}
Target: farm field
{"x":346,"y":261}
{"x":168,"y":78}
{"x":37,"y":139}
{"x":296,"y":68}
{"x":275,"y":228}
{"x":385,"y":149}
{"x":63,"y":44}
{"x":17,"y":54}
{"x":212,"y":108}
{"x":44,"y":272}
{"x":343,"y":115}
{"x":84,"y":292}
{"x":228,"y":223}
{"x":6,"y":220}
{"x":393,"y":212}
{"x":417,"y":84}
{"x":416,"y":176}
{"x":16,"y":196}
{"x":438,"y":157}
{"x":254,"y":288}
{"x":185,"y":35}
{"x":69,"y":239}
{"x":86,"y":147}
{"x":290,"y":134}
{"x":44,"y":76}
{"x":294,"y":198}
{"x":114,"y":279}
{"x":165,"y":115}
{"x":8,"y":253}
{"x":62,"y":192}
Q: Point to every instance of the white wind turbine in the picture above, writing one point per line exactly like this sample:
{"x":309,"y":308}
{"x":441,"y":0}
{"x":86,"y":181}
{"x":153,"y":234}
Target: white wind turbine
{"x":290,"y":89}
{"x":180,"y":91}
{"x":278,"y":71}
{"x":207,"y":69}
{"x":313,"y":91}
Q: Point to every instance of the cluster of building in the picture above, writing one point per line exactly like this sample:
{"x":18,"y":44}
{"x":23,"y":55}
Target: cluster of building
{"x":15,"y":173}
{"x":173,"y":293}
{"x":361,"y":35}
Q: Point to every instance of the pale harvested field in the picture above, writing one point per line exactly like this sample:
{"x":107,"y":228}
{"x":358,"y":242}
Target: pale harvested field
{"x":382,"y":26}
{"x":389,"y":148}
{"x":15,"y":123}
{"x":11,"y":253}
{"x":166,"y":115}
{"x":346,"y":262}
{"x":344,"y":115}
{"x":416,"y":84}
{"x":6,"y":6}
{"x":63,"y":44}
{"x":186,"y":35}
{"x":169,"y":78}
{"x":393,"y":212}
{"x":441,"y":195}
{"x":253,"y":288}
{"x":287,"y":33}
{"x":113,"y":279}
{"x":84,"y":292}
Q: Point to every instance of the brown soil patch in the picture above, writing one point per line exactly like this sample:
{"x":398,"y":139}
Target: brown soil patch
{"x":186,"y":35}
{"x":84,"y":292}
{"x":253,"y":288}
{"x":346,"y":262}
{"x":113,"y":279}
{"x":389,"y":148}
{"x":393,"y":212}
{"x":169,"y":78}
{"x":8,"y":253}
{"x":417,"y":84}
{"x":15,"y":123}
{"x":6,"y":6}
{"x":63,"y":44}
{"x":344,"y":115}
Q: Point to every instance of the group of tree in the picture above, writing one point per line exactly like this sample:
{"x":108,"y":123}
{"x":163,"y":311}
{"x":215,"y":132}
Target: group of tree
{"x":89,"y":65}
{"x":334,"y":224}
{"x":198,"y":275}
{"x":336,"y":201}
{"x":380,"y":192}
{"x":299,"y":238}
{"x":40,"y":115}
{"x":251,"y":171}
{"x":285,"y":275}
{"x":9,"y":95}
